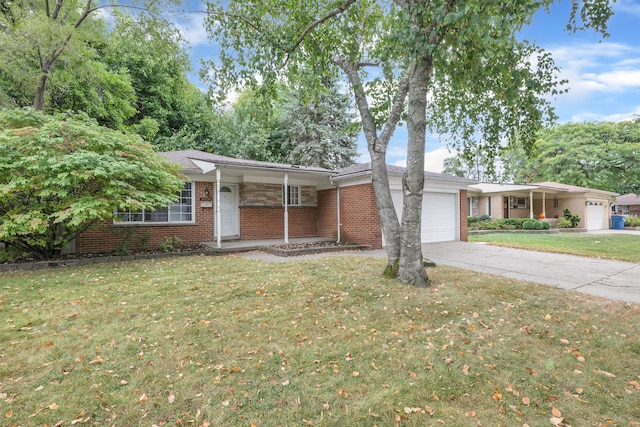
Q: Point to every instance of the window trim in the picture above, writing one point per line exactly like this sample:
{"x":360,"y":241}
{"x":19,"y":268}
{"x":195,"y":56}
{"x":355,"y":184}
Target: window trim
{"x":143,"y":213}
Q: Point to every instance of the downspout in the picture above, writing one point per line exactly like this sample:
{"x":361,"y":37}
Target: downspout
{"x":337,"y":207}
{"x":218,"y":212}
{"x":286,"y":207}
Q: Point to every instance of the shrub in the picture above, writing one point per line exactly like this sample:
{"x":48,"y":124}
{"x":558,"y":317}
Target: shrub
{"x":564,"y":223}
{"x":472,"y":220}
{"x":632,"y":221}
{"x":484,"y":218}
{"x":574,"y":219}
{"x":170,"y":244}
{"x":545,"y":225}
{"x":529,"y":225}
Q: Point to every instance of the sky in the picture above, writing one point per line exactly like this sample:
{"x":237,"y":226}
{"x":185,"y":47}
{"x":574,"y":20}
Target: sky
{"x":603,"y":74}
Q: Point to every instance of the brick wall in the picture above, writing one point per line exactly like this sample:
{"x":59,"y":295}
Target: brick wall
{"x":359,"y":216}
{"x":259,"y":194}
{"x":464,"y":229}
{"x":106,"y":236}
{"x":327,"y":213}
{"x":265,"y":222}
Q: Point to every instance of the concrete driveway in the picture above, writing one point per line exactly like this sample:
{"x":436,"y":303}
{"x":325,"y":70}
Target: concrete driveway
{"x":611,"y":279}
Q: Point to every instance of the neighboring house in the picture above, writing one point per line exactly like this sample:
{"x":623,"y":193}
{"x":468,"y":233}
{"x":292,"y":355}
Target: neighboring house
{"x":232,"y":199}
{"x":628,"y":205}
{"x":541,"y":198}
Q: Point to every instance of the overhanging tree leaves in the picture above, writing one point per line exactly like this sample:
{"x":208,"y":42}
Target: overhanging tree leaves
{"x":457,"y":63}
{"x":61,"y":174}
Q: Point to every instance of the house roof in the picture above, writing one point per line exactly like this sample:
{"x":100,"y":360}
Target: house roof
{"x":628,"y":199}
{"x":365,"y":169}
{"x":571,"y":188}
{"x":190,"y":159}
{"x":487,"y":187}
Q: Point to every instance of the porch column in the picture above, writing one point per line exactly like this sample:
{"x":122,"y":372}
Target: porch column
{"x":531,"y":204}
{"x":544,"y":204}
{"x":218,"y":212}
{"x":286,"y":207}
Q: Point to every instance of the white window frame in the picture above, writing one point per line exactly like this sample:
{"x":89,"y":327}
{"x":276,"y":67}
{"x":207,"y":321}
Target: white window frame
{"x":174,"y":213}
{"x":294,"y":195}
{"x":515,"y":202}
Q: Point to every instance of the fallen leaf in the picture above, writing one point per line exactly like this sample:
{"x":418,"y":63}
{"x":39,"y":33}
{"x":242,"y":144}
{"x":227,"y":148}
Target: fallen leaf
{"x":9,"y":414}
{"x":465,"y":369}
{"x":171,"y":398}
{"x":53,"y":406}
{"x":556,"y":421}
{"x":143,"y":398}
{"x":429,"y":410}
{"x":285,"y":382}
{"x":342,"y":393}
{"x":556,"y":413}
{"x":470,"y":413}
{"x":497,"y":396}
{"x":605,"y":373}
{"x":526,"y":401}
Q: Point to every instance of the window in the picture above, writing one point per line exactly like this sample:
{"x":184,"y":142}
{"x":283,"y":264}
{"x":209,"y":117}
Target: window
{"x":489,"y":205}
{"x":181,"y":211}
{"x":556,"y":204}
{"x":293,"y":195}
{"x":519,"y":203}
{"x":469,"y":206}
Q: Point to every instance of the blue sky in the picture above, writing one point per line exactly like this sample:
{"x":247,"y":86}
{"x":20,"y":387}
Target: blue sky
{"x":603,"y":74}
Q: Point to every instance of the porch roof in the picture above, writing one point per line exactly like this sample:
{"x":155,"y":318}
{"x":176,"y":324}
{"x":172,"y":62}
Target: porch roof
{"x":195,"y":161}
{"x":536,"y":187}
{"x":361,"y":169}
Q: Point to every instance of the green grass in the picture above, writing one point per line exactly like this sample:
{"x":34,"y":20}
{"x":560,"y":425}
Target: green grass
{"x":623,"y":247}
{"x":229,"y":341}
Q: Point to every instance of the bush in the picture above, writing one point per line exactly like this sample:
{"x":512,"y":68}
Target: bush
{"x":632,"y":221}
{"x":529,"y":225}
{"x":472,"y":220}
{"x":564,"y":223}
{"x":574,"y":219}
{"x":545,"y":225}
{"x":484,"y":218}
{"x":170,"y":244}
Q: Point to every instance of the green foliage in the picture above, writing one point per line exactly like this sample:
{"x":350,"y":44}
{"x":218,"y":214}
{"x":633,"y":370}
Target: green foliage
{"x":170,"y":243}
{"x":508,"y":224}
{"x":564,"y":223}
{"x":574,"y":219}
{"x":63,"y":173}
{"x":599,"y":155}
{"x":529,"y":225}
{"x":631,"y":221}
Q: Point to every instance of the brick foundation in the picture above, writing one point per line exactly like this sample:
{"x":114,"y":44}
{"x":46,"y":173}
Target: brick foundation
{"x":264,"y":222}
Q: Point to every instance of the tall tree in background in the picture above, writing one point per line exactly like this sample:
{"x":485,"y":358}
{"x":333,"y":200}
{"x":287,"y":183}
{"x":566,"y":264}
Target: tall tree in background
{"x":600,"y":155}
{"x":320,"y":131}
{"x":461,"y":55}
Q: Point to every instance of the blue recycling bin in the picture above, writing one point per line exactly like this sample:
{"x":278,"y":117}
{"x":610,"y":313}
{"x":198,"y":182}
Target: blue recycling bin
{"x":617,"y":222}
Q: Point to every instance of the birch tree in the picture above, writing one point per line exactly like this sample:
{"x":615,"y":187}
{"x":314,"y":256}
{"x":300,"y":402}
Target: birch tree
{"x":453,"y":67}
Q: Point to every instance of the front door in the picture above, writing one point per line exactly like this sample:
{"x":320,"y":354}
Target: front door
{"x":505,"y":203}
{"x":228,"y":211}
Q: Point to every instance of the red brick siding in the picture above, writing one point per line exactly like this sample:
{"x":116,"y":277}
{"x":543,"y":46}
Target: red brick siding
{"x":359,"y":216}
{"x":257,"y":223}
{"x":464,"y":230}
{"x":106,"y":236}
{"x":327,"y":213}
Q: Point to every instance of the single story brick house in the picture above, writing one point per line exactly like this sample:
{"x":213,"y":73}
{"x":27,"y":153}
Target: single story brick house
{"x":541,"y":198}
{"x":227,"y":199}
{"x":628,"y":205}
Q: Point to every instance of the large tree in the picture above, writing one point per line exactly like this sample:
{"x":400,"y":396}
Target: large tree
{"x":601,"y":155}
{"x":61,"y":174}
{"x":462,"y":56}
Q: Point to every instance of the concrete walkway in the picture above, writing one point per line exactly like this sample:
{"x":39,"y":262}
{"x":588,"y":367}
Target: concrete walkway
{"x":611,"y":279}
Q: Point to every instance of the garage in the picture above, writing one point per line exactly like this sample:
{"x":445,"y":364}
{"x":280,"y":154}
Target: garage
{"x":439,"y":215}
{"x":596,"y":215}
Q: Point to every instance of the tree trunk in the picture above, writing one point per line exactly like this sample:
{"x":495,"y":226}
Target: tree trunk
{"x":41,"y":90}
{"x":412,"y":270}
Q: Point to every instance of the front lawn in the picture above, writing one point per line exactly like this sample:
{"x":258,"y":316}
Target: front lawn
{"x":213,"y":341}
{"x":622,"y":247}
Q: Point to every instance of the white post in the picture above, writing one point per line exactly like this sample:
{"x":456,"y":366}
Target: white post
{"x":338,"y":209}
{"x":218,"y":213}
{"x":286,"y":207}
{"x":544,"y":204}
{"x":531,"y":204}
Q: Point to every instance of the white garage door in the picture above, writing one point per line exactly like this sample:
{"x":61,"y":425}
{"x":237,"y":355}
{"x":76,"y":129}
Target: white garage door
{"x":439,"y":216}
{"x":595,"y":217}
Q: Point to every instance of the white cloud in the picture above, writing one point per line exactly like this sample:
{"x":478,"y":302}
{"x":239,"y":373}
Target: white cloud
{"x":433,"y":160}
{"x":591,"y":117}
{"x":193,"y":29}
{"x":627,"y":6}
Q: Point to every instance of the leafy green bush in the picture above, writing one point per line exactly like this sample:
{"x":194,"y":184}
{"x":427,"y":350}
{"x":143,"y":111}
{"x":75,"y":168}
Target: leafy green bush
{"x":484,"y":218}
{"x":574,"y":219}
{"x":472,"y":220}
{"x":545,"y":225}
{"x":529,"y":225}
{"x":169,"y":244}
{"x":564,"y":223}
{"x":632,"y":221}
